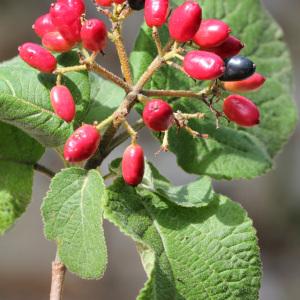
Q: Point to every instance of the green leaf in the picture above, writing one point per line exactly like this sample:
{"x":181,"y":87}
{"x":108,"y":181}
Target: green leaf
{"x":18,"y":154}
{"x":231,"y":152}
{"x":189,"y":253}
{"x":25,"y":101}
{"x":72,"y":213}
{"x":196,"y":194}
{"x":105,"y":98}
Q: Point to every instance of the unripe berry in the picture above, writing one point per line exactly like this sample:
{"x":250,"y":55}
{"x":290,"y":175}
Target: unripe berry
{"x":106,"y":3}
{"x":66,"y":21}
{"x":203,"y":65}
{"x":250,"y":84}
{"x":241,"y":110}
{"x":136,"y":4}
{"x":156,"y":12}
{"x":63,"y":103}
{"x":43,"y":25}
{"x":38,"y":57}
{"x":185,"y":21}
{"x":212,"y":33}
{"x":54,"y":41}
{"x":82,"y":144}
{"x":158,"y":115}
{"x":133,"y":165}
{"x":238,"y":68}
{"x":94,"y":34}
{"x":231,"y":47}
{"x":77,"y":6}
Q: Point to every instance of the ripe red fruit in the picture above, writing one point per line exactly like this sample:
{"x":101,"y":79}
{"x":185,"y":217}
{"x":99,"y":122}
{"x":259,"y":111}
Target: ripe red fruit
{"x":82,"y":144}
{"x":119,"y":1}
{"x":77,"y":6}
{"x":156,"y":12}
{"x":63,"y":103}
{"x":203,"y":65}
{"x":231,"y":47}
{"x":158,"y":115}
{"x":133,"y":165}
{"x":185,"y":21}
{"x":54,"y":41}
{"x":252,"y":83}
{"x":43,"y":25}
{"x":38,"y":57}
{"x":62,"y":14}
{"x":94,"y":34}
{"x":66,"y":21}
{"x":106,"y":3}
{"x":212,"y":33}
{"x":241,"y":110}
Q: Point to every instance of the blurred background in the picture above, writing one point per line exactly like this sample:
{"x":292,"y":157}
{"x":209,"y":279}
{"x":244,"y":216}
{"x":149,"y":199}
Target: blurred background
{"x":272,"y":201}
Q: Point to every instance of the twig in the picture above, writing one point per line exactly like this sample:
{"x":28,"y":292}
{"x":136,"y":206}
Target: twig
{"x":156,"y":38}
{"x":44,"y":170}
{"x":123,"y":57}
{"x":110,"y":76}
{"x":177,"y":93}
{"x":58,"y":276}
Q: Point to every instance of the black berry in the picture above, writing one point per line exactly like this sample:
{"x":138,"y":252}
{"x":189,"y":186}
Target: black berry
{"x":238,"y":68}
{"x":136,"y":4}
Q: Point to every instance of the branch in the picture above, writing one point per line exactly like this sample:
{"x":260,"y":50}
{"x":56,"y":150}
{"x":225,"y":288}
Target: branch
{"x":123,"y":57}
{"x":58,"y":276}
{"x":44,"y":170}
{"x":110,"y":76}
{"x":177,"y":93}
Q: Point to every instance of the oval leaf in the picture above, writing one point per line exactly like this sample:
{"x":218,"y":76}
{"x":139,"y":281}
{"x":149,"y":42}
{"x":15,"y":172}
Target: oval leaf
{"x":72,"y":213}
{"x":25,"y":99}
{"x":189,"y":253}
{"x":18,"y":154}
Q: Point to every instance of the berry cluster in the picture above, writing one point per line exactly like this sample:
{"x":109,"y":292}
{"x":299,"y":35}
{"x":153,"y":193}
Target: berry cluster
{"x":209,"y":51}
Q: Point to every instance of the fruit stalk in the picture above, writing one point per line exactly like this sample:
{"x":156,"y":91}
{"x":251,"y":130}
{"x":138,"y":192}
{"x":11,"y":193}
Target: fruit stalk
{"x":123,"y":57}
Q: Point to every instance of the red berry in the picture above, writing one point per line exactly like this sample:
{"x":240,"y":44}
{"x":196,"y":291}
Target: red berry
{"x":211,"y":33}
{"x":54,"y":41}
{"x":158,"y":115}
{"x":82,"y":144}
{"x":241,"y":110}
{"x":62,"y":14}
{"x":63,"y":103}
{"x":38,"y":57}
{"x":231,"y":47}
{"x":119,"y":1}
{"x":133,"y":165}
{"x":94,"y":34}
{"x":77,"y":6}
{"x":106,"y":3}
{"x":203,"y":65}
{"x":252,"y":83}
{"x":185,"y":21}
{"x":43,"y":25}
{"x":66,"y":20}
{"x":156,"y":12}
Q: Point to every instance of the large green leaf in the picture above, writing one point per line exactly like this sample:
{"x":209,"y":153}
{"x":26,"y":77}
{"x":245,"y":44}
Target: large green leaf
{"x":231,"y":151}
{"x":195,"y":194}
{"x":18,"y":154}
{"x":25,"y":103}
{"x":105,"y":98}
{"x":189,"y":253}
{"x":72,"y":213}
